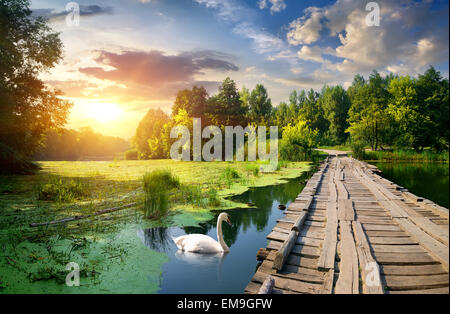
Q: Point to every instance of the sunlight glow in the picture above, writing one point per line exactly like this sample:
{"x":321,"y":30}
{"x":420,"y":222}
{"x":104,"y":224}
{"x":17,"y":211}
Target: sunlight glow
{"x":104,"y":112}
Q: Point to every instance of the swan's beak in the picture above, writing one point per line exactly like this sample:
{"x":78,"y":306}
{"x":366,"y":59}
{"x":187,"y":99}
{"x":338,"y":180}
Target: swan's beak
{"x":228,"y":221}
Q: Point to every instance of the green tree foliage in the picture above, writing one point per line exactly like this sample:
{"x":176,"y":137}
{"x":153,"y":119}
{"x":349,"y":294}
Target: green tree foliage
{"x":148,"y":139}
{"x":194,"y":101}
{"x":369,"y":121}
{"x":335,"y":104}
{"x":28,"y":108}
{"x":298,"y":142}
{"x":260,"y":105}
{"x":226,"y":108}
{"x":311,"y":111}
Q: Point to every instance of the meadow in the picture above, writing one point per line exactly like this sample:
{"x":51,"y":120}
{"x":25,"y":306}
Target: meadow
{"x":111,"y":257}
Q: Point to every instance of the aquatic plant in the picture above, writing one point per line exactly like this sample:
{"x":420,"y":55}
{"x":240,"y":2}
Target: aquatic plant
{"x":59,"y":189}
{"x":157,"y":185}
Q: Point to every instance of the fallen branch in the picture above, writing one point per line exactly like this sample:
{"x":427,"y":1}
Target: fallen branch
{"x":74,"y":218}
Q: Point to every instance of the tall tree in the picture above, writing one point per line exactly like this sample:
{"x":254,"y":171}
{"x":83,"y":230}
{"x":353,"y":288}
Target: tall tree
{"x":260,"y":105}
{"x":335,"y":104}
{"x":194,"y":101}
{"x":148,"y":138}
{"x":28,"y":108}
{"x":226,"y":107}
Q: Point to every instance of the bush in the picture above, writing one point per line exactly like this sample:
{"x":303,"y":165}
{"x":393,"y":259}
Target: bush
{"x":157,"y":185}
{"x":298,"y":142}
{"x":230,"y":175}
{"x":131,"y":154}
{"x":62,"y":190}
{"x":358,"y":150}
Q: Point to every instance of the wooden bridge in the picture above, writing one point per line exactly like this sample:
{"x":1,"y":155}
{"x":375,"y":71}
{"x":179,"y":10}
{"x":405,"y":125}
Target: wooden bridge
{"x":351,"y":231}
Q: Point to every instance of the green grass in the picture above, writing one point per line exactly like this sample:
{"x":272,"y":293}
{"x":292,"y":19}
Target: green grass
{"x":337,"y":147}
{"x":406,"y":155}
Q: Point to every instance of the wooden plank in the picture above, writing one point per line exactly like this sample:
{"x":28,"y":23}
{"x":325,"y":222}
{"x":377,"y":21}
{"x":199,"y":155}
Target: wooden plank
{"x":404,"y":258}
{"x":440,"y":233}
{"x":416,"y":282}
{"x":327,"y":286}
{"x":296,"y":260}
{"x":412,"y":270}
{"x":342,"y":191}
{"x":370,"y":270}
{"x":434,"y":247}
{"x":348,"y":280}
{"x":345,"y":210}
{"x":302,"y":250}
{"x":299,"y":222}
{"x":425,"y":291}
{"x":285,"y":250}
{"x":328,"y":255}
{"x":288,"y":284}
{"x":397,"y":248}
{"x":293,"y":272}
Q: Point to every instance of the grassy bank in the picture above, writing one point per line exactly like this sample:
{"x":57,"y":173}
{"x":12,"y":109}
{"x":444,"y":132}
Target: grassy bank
{"x":406,"y":155}
{"x":111,"y":257}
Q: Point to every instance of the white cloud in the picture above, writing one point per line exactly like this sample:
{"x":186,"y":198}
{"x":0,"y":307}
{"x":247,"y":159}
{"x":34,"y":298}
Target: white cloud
{"x":276,"y":5}
{"x":311,"y":53}
{"x":411,"y":35}
{"x":263,"y":42}
{"x":306,"y":29}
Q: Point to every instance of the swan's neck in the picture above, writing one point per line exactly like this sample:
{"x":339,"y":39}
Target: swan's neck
{"x":220,"y":236}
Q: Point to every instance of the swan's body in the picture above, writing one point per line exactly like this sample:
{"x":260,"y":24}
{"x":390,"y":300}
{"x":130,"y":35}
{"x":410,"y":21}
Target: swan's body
{"x":200,"y":243}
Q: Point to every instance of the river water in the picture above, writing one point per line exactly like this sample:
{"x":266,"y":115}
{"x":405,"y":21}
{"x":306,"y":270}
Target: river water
{"x":230,"y":273}
{"x":429,"y":180}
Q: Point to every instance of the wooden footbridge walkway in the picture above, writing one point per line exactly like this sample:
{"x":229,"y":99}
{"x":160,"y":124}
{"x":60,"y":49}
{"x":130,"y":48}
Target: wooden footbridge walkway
{"x":351,"y":231}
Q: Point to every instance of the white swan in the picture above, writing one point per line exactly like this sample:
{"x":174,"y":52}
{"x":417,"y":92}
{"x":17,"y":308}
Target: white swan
{"x":200,"y":243}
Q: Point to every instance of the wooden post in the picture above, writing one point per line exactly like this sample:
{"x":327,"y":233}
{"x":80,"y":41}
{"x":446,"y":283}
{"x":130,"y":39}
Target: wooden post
{"x":267,"y":286}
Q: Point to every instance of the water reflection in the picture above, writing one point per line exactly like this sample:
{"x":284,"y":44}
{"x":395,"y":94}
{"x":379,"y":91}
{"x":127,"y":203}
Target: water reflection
{"x":223,"y":273}
{"x":199,"y":259}
{"x":429,"y":180}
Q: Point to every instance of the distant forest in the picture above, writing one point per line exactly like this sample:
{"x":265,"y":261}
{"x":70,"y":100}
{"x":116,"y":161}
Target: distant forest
{"x":84,"y":144}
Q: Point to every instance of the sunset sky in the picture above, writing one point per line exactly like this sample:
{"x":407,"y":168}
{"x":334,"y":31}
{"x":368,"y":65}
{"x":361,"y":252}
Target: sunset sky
{"x":128,"y":56}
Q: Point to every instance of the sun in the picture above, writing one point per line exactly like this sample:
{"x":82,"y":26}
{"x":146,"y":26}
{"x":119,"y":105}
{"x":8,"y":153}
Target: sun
{"x":104,"y":112}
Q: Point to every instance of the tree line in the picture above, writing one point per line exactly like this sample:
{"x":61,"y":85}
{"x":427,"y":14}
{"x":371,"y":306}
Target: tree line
{"x":379,"y":112}
{"x":82,"y":144}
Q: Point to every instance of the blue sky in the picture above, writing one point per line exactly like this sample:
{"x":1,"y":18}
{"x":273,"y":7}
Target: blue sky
{"x":134,"y":55}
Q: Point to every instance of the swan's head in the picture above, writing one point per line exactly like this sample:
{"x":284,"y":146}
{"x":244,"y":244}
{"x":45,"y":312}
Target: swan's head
{"x":225,"y":217}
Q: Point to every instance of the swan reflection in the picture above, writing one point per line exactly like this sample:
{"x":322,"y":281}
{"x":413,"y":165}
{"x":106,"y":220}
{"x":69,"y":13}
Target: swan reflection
{"x":200,"y":259}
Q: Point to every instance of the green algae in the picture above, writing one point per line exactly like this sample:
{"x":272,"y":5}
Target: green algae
{"x":111,"y":257}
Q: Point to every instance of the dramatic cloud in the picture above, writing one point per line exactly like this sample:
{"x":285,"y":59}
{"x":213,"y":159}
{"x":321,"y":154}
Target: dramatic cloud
{"x":154,"y":68}
{"x":411,"y":33}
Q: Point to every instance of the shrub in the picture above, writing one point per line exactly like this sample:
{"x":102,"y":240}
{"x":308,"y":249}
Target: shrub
{"x":298,"y":142}
{"x":358,"y":150}
{"x":157,"y":185}
{"x":230,"y":175}
{"x":131,"y":154}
